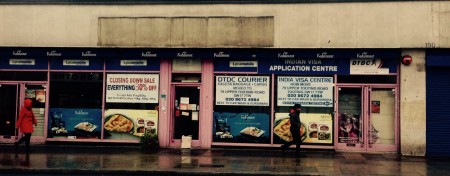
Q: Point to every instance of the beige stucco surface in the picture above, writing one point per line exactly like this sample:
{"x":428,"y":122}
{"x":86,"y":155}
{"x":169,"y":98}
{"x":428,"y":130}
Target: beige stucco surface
{"x":318,"y":25}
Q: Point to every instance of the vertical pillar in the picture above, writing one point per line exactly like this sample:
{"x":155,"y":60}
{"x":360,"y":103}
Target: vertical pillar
{"x":413,"y":104}
{"x":206,"y":104}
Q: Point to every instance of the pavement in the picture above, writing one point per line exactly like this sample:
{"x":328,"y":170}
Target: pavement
{"x":78,"y":160}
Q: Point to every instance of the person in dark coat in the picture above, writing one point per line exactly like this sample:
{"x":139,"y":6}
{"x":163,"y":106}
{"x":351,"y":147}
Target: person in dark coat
{"x":294,"y":117}
{"x":25,"y":124}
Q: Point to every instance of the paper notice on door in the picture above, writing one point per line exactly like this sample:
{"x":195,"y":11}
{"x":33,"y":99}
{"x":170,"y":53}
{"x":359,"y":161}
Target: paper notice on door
{"x":184,"y":100}
{"x":195,"y":115}
{"x":185,"y":113}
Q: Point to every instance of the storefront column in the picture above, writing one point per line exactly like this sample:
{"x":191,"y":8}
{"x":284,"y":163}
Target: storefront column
{"x":206,"y":105}
{"x":412,"y":104}
{"x":164,"y":119}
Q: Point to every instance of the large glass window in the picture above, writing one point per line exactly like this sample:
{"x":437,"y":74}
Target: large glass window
{"x":75,"y":105}
{"x":131,"y":105}
{"x":315,"y":94}
{"x":242,"y":109}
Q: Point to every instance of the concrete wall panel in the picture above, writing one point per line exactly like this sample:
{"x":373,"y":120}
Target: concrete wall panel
{"x":376,"y":25}
{"x":117,"y":31}
{"x":413,"y":105}
{"x":153,"y":32}
{"x":224,"y":31}
{"x":337,"y":26}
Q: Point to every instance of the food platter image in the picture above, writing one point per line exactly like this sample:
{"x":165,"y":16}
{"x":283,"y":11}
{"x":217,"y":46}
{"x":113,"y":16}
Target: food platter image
{"x":282,"y":130}
{"x":119,"y":123}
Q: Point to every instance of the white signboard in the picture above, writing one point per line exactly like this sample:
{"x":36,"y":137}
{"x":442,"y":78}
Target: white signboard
{"x":243,"y":63}
{"x":132,"y":88}
{"x":367,"y":66}
{"x":22,"y":62}
{"x":133,"y":62}
{"x":242,"y":90}
{"x":308,"y":91}
{"x":72,"y":62}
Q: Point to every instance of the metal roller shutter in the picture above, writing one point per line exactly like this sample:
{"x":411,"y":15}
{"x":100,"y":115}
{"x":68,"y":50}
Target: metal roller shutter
{"x":438,"y":111}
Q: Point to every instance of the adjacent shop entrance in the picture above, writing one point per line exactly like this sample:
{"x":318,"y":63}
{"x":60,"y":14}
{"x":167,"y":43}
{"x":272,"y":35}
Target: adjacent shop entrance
{"x":185,"y":116}
{"x":12,"y":95}
{"x":367,"y":118}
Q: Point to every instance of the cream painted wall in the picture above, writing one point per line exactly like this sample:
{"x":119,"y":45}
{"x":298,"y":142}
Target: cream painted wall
{"x":319,"y":25}
{"x":413,"y":105}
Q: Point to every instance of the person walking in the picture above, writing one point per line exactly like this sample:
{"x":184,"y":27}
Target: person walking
{"x":25,"y":125}
{"x":294,"y":117}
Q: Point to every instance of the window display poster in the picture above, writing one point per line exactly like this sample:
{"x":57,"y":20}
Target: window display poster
{"x":129,"y":123}
{"x":242,"y":90}
{"x":75,"y":123}
{"x":349,"y":128}
{"x":132,"y":88}
{"x":309,"y":91}
{"x":241,"y":127}
{"x":315,"y":129}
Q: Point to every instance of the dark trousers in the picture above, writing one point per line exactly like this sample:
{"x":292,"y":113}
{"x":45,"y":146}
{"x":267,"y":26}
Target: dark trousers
{"x":26,"y":138}
{"x":296,"y":140}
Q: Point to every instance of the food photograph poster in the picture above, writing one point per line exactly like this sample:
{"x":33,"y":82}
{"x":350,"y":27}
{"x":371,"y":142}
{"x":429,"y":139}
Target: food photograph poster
{"x":129,"y":124}
{"x":132,"y":88}
{"x":241,"y":127}
{"x":315,"y":128}
{"x":75,"y":123}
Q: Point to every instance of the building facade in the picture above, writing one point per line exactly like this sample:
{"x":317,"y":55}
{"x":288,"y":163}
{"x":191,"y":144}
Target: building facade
{"x":225,"y":74}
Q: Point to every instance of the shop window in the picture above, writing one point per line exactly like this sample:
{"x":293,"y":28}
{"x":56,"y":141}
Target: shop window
{"x":23,"y":76}
{"x":315,"y":94}
{"x":75,"y":105}
{"x":131,"y":105}
{"x":242,"y":109}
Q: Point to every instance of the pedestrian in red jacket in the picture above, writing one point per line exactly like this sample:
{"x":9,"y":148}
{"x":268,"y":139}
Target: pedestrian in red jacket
{"x":25,"y":124}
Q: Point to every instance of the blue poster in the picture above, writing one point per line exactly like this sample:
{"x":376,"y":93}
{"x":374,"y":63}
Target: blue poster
{"x":75,"y":123}
{"x":241,"y":127}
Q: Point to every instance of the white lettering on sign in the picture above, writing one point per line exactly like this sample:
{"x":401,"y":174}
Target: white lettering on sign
{"x":364,"y":55}
{"x":285,"y":55}
{"x":184,"y":54}
{"x":325,"y":55}
{"x":19,"y":53}
{"x":221,"y":54}
{"x":53,"y":53}
{"x":88,"y":54}
{"x":149,"y":54}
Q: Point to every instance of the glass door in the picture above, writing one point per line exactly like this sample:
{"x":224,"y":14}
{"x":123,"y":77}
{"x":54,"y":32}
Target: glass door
{"x":12,"y":96}
{"x":367,"y":119}
{"x":382,"y":116}
{"x":9,"y":106}
{"x":185,"y":119}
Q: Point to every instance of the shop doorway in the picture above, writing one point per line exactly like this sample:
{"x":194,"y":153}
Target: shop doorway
{"x":12,"y":95}
{"x":185,"y":116}
{"x":367,"y":119}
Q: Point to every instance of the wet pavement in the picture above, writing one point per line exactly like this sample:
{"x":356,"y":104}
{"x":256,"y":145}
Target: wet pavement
{"x":131,"y":160}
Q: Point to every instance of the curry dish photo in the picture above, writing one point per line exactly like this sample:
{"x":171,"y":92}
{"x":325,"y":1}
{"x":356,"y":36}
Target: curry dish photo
{"x":119,"y":123}
{"x":282,"y":130}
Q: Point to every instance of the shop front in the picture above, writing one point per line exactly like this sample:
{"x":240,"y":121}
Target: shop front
{"x":23,"y":75}
{"x":349,"y":98}
{"x":216,"y":97}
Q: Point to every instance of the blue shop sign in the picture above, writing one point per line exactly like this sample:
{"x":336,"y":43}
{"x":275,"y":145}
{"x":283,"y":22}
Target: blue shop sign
{"x":329,"y":62}
{"x":136,"y":59}
{"x":22,"y":58}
